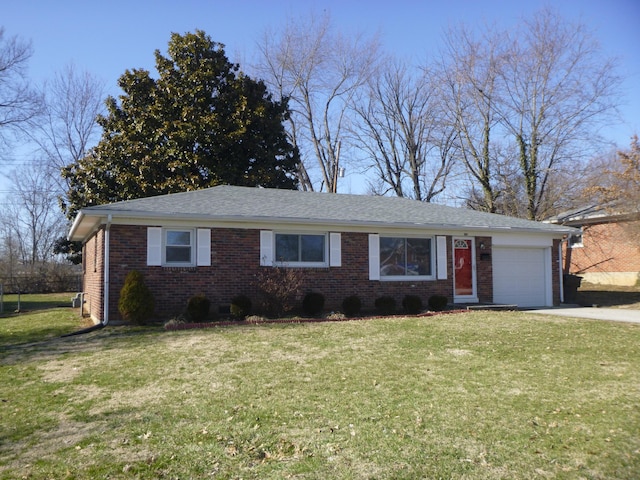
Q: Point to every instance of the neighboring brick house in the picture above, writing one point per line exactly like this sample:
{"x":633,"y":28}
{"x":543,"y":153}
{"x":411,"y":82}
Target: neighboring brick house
{"x":605,"y":250}
{"x":217,"y":241}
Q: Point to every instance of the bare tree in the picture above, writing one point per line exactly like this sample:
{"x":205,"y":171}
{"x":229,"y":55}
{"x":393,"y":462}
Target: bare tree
{"x":402,"y":134}
{"x":558,"y":88}
{"x":19,"y":103}
{"x":527,"y":105}
{"x":33,"y":219}
{"x":73,"y":101}
{"x":469,"y":89}
{"x":318,"y":71}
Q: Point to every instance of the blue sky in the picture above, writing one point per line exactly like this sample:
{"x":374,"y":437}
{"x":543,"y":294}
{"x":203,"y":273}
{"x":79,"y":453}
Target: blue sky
{"x":107,"y":37}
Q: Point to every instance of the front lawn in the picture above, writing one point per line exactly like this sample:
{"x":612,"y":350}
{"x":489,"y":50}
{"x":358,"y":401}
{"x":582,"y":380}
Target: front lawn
{"x":488,"y":395}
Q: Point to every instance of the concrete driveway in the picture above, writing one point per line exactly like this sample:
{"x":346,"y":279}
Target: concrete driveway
{"x":611,"y":314}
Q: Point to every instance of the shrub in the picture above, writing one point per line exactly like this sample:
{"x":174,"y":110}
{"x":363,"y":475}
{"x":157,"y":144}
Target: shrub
{"x":437,"y":303}
{"x":385,"y":305}
{"x":136,"y":302}
{"x":351,"y":305}
{"x":241,"y":306}
{"x":279,"y":288}
{"x":412,"y":304}
{"x":177,"y":320}
{"x":198,"y":308}
{"x":313,"y":303}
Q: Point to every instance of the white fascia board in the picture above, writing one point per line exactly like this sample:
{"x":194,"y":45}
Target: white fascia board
{"x":151,"y":219}
{"x":75,"y":225}
{"x":84,"y":225}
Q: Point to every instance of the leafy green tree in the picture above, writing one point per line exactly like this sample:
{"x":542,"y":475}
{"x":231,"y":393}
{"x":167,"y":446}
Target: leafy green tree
{"x":201,"y":123}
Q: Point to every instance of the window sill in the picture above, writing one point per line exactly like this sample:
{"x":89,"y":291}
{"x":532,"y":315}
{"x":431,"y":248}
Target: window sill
{"x":416,"y":278}
{"x":180,"y":268}
{"x":300,"y":265}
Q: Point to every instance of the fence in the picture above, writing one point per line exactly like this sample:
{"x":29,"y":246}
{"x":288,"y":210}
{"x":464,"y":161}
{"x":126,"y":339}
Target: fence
{"x":36,"y":284}
{"x":41,"y":284}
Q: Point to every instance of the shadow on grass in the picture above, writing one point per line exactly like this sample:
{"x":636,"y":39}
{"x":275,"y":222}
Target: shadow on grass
{"x":105,"y":339}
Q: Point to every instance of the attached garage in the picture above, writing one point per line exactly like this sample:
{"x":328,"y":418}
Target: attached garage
{"x":521,"y":276}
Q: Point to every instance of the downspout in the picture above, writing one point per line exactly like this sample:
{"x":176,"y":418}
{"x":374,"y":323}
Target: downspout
{"x":105,"y":308}
{"x":105,"y":263}
{"x":561,"y":269}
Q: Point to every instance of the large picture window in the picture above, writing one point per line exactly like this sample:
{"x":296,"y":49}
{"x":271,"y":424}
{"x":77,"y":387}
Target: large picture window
{"x":178,"y":247}
{"x":304,"y":249}
{"x":406,"y":257}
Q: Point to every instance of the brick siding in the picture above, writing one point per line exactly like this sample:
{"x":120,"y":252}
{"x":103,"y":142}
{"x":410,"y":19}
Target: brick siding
{"x":607,"y":247}
{"x":93,"y":275}
{"x":235,"y":255}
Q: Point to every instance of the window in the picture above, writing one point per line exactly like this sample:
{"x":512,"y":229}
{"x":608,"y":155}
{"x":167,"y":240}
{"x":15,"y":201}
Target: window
{"x":575,"y":240}
{"x":406,"y":257}
{"x":304,"y":249}
{"x":178,"y":248}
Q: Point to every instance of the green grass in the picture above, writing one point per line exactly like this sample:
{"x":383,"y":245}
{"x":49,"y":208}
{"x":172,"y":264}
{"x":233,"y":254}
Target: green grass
{"x":483,"y":395}
{"x":41,"y":317}
{"x":32,"y":302}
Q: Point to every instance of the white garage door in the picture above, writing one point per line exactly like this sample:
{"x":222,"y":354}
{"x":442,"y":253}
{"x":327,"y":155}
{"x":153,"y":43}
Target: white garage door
{"x":520,"y":276}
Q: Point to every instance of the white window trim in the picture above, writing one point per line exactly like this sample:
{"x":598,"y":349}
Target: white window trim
{"x":192,"y":246}
{"x":154,"y":246}
{"x":323,"y":264}
{"x":374,"y":263}
{"x":200,"y":247}
{"x":441,"y":254}
{"x":203,"y":247}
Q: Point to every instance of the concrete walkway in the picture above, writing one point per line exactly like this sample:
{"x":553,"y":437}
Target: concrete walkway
{"x":611,"y":314}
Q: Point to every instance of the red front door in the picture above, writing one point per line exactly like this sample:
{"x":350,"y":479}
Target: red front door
{"x":463,"y":271}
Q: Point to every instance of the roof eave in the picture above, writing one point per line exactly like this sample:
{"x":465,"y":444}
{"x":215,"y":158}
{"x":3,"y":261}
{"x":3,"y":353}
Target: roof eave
{"x":75,"y":225}
{"x":269,"y":220}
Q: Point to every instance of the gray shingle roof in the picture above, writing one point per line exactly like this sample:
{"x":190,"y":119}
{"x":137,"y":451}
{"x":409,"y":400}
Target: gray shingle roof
{"x":259,"y":205}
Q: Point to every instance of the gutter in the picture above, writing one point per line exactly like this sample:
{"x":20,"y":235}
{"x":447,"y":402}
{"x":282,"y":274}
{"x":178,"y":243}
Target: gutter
{"x":76,"y":224}
{"x":153,"y":217}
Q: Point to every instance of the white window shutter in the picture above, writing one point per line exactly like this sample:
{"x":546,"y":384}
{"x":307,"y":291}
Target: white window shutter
{"x":374,"y":256}
{"x":154,"y":246}
{"x":266,"y":248}
{"x":203,"y":257}
{"x":335,"y":250}
{"x":441,"y":251}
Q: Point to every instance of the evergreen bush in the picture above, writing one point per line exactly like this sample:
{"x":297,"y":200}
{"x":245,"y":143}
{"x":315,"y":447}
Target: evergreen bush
{"x":198,"y":307}
{"x":412,"y":304}
{"x":136,"y":301}
{"x":351,"y":305}
{"x":437,"y":303}
{"x":385,"y":305}
{"x":313,"y":303}
{"x":241,"y":306}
